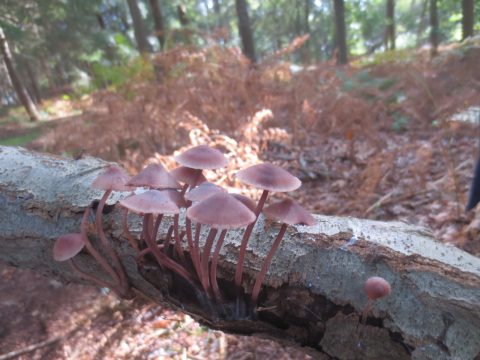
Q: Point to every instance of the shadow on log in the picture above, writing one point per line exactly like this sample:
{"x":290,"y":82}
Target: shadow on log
{"x":313,"y":295}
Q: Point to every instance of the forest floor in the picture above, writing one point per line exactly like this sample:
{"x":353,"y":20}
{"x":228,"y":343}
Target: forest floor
{"x":380,"y":139}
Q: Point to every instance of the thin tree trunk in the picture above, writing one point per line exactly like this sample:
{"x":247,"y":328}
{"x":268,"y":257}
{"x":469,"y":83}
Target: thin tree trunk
{"x":306,"y":24}
{"x":390,"y":26}
{"x":421,"y":24}
{"x":434,"y":35}
{"x":33,"y":81}
{"x":468,"y":18}
{"x":15,"y":79}
{"x":313,"y":294}
{"x":340,"y":32}
{"x":245,"y":30}
{"x":158,"y":20}
{"x":139,"y":27}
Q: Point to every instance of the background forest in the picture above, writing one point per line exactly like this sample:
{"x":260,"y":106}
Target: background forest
{"x":373,"y":104}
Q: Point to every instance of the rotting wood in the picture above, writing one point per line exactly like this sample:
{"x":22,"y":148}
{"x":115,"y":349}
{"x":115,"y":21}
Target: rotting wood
{"x":315,"y":284}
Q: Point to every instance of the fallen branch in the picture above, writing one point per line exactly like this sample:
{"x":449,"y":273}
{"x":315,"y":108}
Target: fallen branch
{"x":314,"y":290}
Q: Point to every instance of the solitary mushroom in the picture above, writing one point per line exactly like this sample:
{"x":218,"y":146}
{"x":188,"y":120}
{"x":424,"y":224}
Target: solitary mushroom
{"x":288,"y":212}
{"x":267,"y":177}
{"x":375,"y":287}
{"x":220,"y":211}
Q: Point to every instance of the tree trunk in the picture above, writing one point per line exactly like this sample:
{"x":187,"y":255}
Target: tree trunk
{"x":468,"y":18}
{"x":158,"y":20}
{"x":434,"y":35}
{"x":33,"y":81}
{"x":245,"y":30}
{"x":139,"y":27}
{"x":313,"y":294}
{"x":390,"y":26}
{"x":15,"y":79}
{"x":340,"y":32}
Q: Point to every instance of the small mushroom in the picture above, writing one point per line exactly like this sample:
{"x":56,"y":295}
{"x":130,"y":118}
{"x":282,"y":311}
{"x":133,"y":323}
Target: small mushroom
{"x":375,"y":287}
{"x":267,"y":177}
{"x":66,"y":248}
{"x":112,"y":179}
{"x":203,"y":191}
{"x":222,"y":212}
{"x":187,"y":176}
{"x":154,"y":176}
{"x":288,"y":212}
{"x":199,"y":158}
{"x":155,"y":202}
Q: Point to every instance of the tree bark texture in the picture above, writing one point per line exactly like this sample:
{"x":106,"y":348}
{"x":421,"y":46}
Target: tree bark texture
{"x":15,"y":79}
{"x":434,"y":33}
{"x":468,"y":18}
{"x":139,"y":28}
{"x":314,"y":289}
{"x":390,"y":26}
{"x":158,"y":20}
{"x":245,"y":30}
{"x":340,"y":32}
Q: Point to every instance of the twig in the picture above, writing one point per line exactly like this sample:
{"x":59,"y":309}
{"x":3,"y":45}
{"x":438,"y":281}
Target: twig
{"x":30,"y":348}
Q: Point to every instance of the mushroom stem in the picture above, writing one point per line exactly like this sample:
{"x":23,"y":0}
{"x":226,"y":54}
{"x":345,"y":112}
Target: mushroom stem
{"x":117,"y":265}
{"x":101,"y":260}
{"x":184,"y":189}
{"x":158,"y":222}
{"x":178,"y":244}
{"x":164,"y":260}
{"x":366,"y":310}
{"x":213,"y":272}
{"x":205,"y":257}
{"x":245,"y":238}
{"x":266,"y":264}
{"x":193,"y":250}
{"x":166,"y":242}
{"x":95,"y":280}
{"x":127,"y":232}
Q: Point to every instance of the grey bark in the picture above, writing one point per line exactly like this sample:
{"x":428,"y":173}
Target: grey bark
{"x":340,"y":32}
{"x":314,"y":290}
{"x":139,"y":28}
{"x":434,"y":31}
{"x":245,"y":30}
{"x":158,"y":20}
{"x":15,"y":79}
{"x":390,"y":26}
{"x":468,"y":18}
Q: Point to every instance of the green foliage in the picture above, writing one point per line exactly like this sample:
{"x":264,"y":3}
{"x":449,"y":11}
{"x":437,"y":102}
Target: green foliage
{"x":117,"y":76}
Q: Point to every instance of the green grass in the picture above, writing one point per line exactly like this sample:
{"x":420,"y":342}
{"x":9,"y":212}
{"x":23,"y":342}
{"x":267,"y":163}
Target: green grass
{"x":21,"y":140}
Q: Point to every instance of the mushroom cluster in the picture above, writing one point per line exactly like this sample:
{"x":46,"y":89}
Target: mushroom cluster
{"x":159,"y":193}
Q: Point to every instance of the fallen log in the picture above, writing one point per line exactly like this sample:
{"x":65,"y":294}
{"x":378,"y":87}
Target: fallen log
{"x":314,"y":290}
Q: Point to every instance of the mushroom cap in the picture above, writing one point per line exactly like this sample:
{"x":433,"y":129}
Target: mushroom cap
{"x":176,"y":197}
{"x":154,"y":176}
{"x":245,"y":200}
{"x":67,"y":246}
{"x":202,"y":157}
{"x":113,"y":178}
{"x":377,"y":287}
{"x":187,"y":175}
{"x":289,"y":212}
{"x":269,"y":177}
{"x":150,"y":202}
{"x":203,"y":191}
{"x":221,"y":211}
